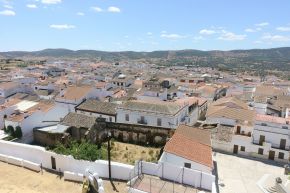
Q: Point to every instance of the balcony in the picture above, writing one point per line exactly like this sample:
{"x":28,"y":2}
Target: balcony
{"x":142,"y":122}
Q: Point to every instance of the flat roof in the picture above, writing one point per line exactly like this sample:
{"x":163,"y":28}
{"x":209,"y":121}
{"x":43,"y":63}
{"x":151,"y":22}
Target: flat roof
{"x":24,"y":105}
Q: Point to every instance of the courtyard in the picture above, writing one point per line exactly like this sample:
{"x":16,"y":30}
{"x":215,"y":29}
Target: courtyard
{"x":240,"y":175}
{"x":128,"y":153}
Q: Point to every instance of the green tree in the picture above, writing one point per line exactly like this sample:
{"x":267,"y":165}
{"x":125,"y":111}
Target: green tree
{"x":18,"y":132}
{"x":10,"y":130}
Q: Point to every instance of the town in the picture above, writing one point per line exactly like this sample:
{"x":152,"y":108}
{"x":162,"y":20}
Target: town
{"x":192,"y":129}
{"x":144,"y":96}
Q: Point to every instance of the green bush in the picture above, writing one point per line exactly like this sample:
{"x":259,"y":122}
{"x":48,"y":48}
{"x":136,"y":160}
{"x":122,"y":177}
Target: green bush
{"x":82,"y":151}
{"x":10,"y":130}
{"x":18,"y":132}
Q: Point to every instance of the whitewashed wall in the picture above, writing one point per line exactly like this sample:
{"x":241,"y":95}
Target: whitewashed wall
{"x":179,"y":161}
{"x":39,"y":155}
{"x":179,"y":174}
{"x":151,"y":118}
{"x":220,"y":120}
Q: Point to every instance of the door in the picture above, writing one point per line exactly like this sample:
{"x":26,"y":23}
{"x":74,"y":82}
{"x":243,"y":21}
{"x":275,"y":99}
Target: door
{"x":282,"y":143}
{"x":262,"y":139}
{"x":53,"y":164}
{"x":271,"y":155}
{"x":238,"y":129}
{"x":236,"y":148}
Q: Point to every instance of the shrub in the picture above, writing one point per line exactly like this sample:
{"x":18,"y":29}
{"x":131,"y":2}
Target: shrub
{"x":82,"y":151}
{"x":18,"y":132}
{"x":10,"y":130}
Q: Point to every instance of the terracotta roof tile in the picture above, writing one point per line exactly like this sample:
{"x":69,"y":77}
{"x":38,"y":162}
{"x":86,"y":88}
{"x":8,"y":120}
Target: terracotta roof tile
{"x":192,"y":144}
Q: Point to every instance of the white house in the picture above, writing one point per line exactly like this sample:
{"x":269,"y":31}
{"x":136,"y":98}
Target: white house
{"x":94,"y":108}
{"x":189,"y":147}
{"x":31,"y":114}
{"x":74,"y":95}
{"x":267,"y":138}
{"x":272,"y":135}
{"x":158,"y":113}
{"x":122,"y":81}
{"x":9,"y":88}
{"x":232,"y":112}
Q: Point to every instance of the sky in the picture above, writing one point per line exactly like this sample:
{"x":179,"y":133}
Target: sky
{"x":143,"y":25}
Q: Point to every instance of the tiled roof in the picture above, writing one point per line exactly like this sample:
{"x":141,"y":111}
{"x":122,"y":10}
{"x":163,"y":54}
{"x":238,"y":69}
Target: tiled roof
{"x":95,"y":106}
{"x":241,"y":115}
{"x":75,"y":92}
{"x":8,"y":85}
{"x":231,"y":102}
{"x":152,"y":107}
{"x":272,"y":119}
{"x":78,"y":120}
{"x":268,"y":91}
{"x":185,"y":144}
{"x":196,"y":134}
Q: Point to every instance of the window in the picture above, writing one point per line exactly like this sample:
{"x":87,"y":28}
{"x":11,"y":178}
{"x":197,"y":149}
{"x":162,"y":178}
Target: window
{"x":159,"y":122}
{"x":142,"y":119}
{"x":110,"y":119}
{"x":281,"y":155}
{"x":243,"y":148}
{"x":284,"y":127}
{"x":264,"y":124}
{"x":127,"y":117}
{"x":187,"y":165}
{"x":260,"y":151}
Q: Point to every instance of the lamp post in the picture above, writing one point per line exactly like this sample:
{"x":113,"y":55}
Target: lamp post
{"x":109,"y":136}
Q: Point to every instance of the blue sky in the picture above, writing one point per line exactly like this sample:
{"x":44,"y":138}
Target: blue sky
{"x":144,"y":25}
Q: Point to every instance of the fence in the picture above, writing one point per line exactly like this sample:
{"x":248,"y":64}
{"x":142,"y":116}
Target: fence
{"x":51,"y":160}
{"x":175,"y":174}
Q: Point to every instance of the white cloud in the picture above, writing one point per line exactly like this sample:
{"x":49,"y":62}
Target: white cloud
{"x":262,"y":24}
{"x":97,"y":9}
{"x":198,"y":38}
{"x":249,"y":30}
{"x":114,"y":9}
{"x":276,"y":38}
{"x":62,"y":26}
{"x":172,"y":36}
{"x":164,"y":32}
{"x":31,"y":6}
{"x":51,"y":1}
{"x":230,"y":36}
{"x":80,"y":14}
{"x":8,"y":6}
{"x":7,"y":13}
{"x":258,"y":42}
{"x":283,"y":28}
{"x":207,"y":32}
{"x":149,"y":33}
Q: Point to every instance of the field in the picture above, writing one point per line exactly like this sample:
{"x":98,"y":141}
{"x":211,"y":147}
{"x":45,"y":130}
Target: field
{"x":128,"y":153}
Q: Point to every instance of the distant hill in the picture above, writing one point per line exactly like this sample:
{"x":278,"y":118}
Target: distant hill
{"x":275,"y":58}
